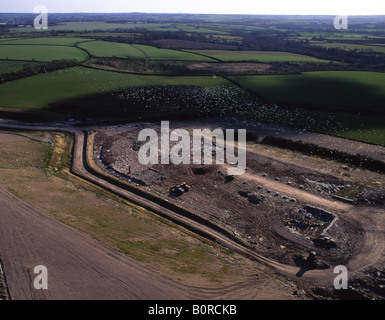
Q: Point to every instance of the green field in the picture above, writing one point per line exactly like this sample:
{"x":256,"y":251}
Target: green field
{"x":105,"y":26}
{"x":199,"y":28}
{"x":261,"y":56}
{"x":341,"y":35}
{"x":124,"y":50}
{"x":79,"y":26}
{"x":53,"y":41}
{"x":41,"y":53}
{"x":351,"y":46}
{"x":8,"y":38}
{"x":228,"y":28}
{"x":111,"y":49}
{"x":356,"y":127}
{"x":169,"y":54}
{"x":344,"y":103}
{"x":39,"y":91}
{"x":10,"y":66}
{"x":327,"y":90}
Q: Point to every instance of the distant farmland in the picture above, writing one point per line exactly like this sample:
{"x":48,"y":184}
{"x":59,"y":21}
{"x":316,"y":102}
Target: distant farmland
{"x":106,"y":26}
{"x":168,"y":54}
{"x":261,"y":56}
{"x":53,"y":41}
{"x":337,"y":36}
{"x":192,"y":45}
{"x":112,"y":49}
{"x":124,"y":50}
{"x":40,"y":53}
{"x":344,"y":103}
{"x":351,"y":46}
{"x":42,"y":90}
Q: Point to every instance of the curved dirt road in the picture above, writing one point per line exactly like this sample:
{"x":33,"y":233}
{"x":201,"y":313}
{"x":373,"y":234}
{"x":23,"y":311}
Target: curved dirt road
{"x":371,"y":250}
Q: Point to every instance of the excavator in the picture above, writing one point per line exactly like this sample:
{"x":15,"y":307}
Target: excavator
{"x":179,"y":189}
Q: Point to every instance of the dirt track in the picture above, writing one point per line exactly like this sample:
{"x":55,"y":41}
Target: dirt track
{"x":370,"y":252}
{"x":308,"y":197}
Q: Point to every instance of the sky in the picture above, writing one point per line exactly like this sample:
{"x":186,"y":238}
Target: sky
{"x":299,"y":7}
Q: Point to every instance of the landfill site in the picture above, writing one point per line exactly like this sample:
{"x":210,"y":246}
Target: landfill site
{"x":303,"y":210}
{"x":304,"y":206}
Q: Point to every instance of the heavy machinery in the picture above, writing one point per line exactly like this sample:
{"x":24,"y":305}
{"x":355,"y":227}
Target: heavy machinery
{"x":312,"y":258}
{"x":179,"y":189}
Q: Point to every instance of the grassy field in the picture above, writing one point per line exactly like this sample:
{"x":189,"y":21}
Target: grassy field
{"x":199,"y":28}
{"x":10,"y":66}
{"x":169,"y":54}
{"x":39,"y":91}
{"x":7,"y":39}
{"x":53,"y":41}
{"x":105,"y":26}
{"x":111,"y":49}
{"x":79,"y":26}
{"x":41,"y":53}
{"x":346,"y":125}
{"x":341,"y":35}
{"x":261,"y":56}
{"x":327,"y":90}
{"x":350,"y":46}
{"x":341,"y":103}
{"x":124,"y":50}
{"x":330,"y":98}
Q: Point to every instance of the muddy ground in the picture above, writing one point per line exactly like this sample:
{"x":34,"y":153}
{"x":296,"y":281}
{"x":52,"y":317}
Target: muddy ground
{"x":279,"y":225}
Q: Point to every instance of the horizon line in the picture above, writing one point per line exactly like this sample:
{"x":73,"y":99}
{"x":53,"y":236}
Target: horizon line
{"x":190,"y":13}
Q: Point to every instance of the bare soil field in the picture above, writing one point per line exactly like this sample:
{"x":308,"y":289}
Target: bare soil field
{"x":283,"y":206}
